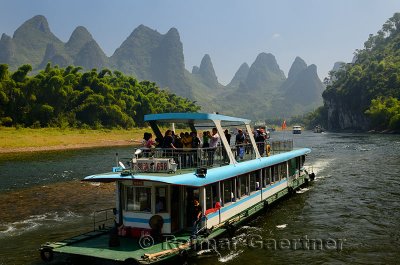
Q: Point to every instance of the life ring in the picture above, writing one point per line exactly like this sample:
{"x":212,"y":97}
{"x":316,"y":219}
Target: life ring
{"x":46,"y":254}
{"x":268,"y":149}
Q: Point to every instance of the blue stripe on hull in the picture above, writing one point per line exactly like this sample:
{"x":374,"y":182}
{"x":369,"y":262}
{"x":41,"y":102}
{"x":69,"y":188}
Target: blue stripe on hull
{"x":143,"y":220}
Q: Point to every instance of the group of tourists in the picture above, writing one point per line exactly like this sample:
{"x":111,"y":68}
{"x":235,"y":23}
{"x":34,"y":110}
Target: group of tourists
{"x":184,"y":146}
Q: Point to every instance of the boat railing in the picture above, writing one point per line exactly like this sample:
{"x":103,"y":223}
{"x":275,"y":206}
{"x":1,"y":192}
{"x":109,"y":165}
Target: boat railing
{"x":280,"y":146}
{"x":185,"y":158}
{"x":103,"y":219}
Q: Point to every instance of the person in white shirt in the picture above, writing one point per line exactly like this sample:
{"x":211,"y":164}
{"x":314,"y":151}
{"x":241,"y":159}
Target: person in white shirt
{"x":213,"y":146}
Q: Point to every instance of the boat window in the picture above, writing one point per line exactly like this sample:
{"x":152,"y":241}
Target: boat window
{"x":253,"y":181}
{"x":138,"y":199}
{"x":282,"y":170}
{"x":244,"y":185}
{"x":237,"y":190}
{"x":275,"y":176}
{"x":211,"y":196}
{"x":267,"y":177}
{"x":161,"y":199}
{"x":258,"y":179}
{"x":292,"y":166}
{"x":228,"y":192}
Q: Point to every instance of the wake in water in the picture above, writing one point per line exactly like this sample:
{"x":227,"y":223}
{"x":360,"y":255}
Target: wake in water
{"x":303,"y":190}
{"x":230,"y":256}
{"x":34,"y":222}
{"x":319,"y":166}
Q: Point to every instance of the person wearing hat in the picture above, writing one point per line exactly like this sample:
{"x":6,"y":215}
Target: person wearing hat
{"x":260,"y":141}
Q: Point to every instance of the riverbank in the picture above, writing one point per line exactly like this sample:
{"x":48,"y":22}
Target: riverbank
{"x":13,"y":140}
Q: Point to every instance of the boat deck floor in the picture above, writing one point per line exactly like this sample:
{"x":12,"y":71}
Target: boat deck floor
{"x":98,"y":246}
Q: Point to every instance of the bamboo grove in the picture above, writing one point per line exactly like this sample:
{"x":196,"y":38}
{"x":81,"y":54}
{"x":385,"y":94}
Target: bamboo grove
{"x":67,"y":97}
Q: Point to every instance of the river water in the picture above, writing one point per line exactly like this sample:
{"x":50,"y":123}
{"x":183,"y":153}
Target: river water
{"x":350,"y":214}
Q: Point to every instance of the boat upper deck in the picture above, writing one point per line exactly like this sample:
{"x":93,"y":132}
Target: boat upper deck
{"x":202,"y":165}
{"x":188,"y":177}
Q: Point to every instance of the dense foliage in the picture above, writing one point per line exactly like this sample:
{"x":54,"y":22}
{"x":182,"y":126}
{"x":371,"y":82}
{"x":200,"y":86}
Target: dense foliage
{"x":66,"y":97}
{"x":385,"y":113}
{"x":372,"y":82}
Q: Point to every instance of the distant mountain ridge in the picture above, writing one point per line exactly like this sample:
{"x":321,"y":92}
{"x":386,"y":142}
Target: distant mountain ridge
{"x":150,"y":55}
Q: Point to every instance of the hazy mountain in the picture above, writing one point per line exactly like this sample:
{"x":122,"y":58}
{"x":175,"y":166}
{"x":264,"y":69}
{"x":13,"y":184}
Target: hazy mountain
{"x":240,"y":75}
{"x":304,"y":88}
{"x":55,"y":55}
{"x":150,"y":55}
{"x":91,"y":56}
{"x":264,"y":73}
{"x":7,"y":50}
{"x":168,"y":64}
{"x":337,"y":66}
{"x":79,"y":38}
{"x":195,"y":69}
{"x":135,"y":53}
{"x":206,"y":72}
{"x":29,"y":42}
{"x":298,"y":66}
{"x":258,"y":91}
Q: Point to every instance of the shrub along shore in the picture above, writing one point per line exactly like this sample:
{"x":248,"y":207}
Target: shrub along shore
{"x":13,"y":140}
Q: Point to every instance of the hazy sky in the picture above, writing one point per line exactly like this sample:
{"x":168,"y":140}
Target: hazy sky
{"x":230,"y":31}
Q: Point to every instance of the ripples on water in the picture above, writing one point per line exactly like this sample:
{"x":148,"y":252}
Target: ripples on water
{"x":355,"y":198}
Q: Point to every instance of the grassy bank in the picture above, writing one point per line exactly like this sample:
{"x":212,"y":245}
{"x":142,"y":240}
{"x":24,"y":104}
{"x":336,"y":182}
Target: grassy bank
{"x":26,"y":139}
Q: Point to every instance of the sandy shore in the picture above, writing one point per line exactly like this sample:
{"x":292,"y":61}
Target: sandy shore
{"x":66,"y":146}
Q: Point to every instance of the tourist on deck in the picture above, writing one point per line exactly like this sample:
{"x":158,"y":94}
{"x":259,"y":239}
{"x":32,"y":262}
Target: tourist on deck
{"x":187,"y":148}
{"x":150,"y":143}
{"x":260,"y":141}
{"x":206,"y":139}
{"x":196,"y":143}
{"x":213,"y":146}
{"x":168,"y":143}
{"x":239,"y":143}
{"x":228,"y":138}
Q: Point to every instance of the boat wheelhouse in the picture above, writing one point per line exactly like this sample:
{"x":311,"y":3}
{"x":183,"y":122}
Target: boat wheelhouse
{"x":156,"y":188}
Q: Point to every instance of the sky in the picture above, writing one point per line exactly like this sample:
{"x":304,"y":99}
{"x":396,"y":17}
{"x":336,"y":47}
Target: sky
{"x":232,"y":32}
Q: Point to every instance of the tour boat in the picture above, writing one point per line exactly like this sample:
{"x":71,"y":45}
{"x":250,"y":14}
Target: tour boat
{"x":297,"y":129}
{"x":156,"y":188}
{"x":318,"y":129}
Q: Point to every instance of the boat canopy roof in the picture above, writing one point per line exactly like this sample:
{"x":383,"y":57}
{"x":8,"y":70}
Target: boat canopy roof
{"x":192,"y":117}
{"x":213,"y":175}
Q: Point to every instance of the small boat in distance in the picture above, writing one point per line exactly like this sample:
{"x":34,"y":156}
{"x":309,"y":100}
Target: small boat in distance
{"x":296,"y":129}
{"x":170,"y":201}
{"x":318,"y":129}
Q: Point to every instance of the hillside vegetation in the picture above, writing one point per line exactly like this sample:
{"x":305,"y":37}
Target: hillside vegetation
{"x":66,"y":97}
{"x":365,"y":95}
